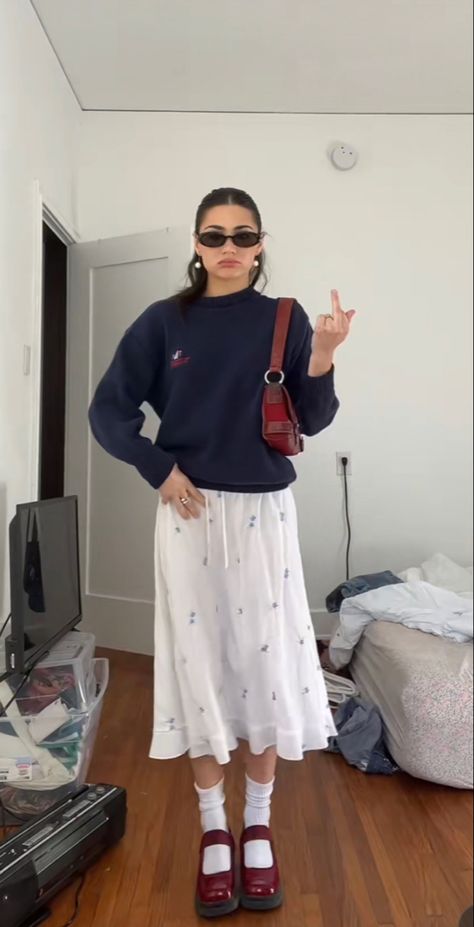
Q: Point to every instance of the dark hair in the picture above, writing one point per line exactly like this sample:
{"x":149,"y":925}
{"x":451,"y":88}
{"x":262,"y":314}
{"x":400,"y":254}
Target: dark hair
{"x":197,"y":276}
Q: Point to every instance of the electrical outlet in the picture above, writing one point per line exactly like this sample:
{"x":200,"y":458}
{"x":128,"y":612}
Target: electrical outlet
{"x":339,"y":465}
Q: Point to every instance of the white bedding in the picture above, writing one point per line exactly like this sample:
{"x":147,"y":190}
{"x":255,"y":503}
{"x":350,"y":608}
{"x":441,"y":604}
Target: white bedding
{"x":429,"y":601}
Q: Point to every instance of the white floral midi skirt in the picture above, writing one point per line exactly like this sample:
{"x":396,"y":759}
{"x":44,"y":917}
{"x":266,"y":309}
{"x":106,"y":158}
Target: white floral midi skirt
{"x":235,"y":652}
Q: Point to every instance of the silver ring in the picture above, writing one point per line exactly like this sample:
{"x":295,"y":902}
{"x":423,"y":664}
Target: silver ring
{"x":184,"y":500}
{"x":277,"y":373}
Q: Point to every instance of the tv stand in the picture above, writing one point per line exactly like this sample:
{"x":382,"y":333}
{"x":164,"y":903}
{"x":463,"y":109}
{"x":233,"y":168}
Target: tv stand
{"x":9,"y":656}
{"x":10,"y":661}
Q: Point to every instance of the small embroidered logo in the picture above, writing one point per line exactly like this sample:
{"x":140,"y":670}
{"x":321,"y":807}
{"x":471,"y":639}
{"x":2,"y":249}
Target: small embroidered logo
{"x":178,"y":359}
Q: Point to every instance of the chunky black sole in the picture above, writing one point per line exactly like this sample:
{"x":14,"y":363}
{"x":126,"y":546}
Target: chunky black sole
{"x":216,"y":910}
{"x":262,"y":904}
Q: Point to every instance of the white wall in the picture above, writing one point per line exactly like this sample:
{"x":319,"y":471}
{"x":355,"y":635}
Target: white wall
{"x":39,"y":122}
{"x":394,"y":236}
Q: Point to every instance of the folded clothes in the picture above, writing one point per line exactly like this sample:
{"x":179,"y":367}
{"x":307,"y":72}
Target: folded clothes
{"x":357,"y":585}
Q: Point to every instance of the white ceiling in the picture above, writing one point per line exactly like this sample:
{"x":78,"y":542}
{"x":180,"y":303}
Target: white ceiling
{"x":314,"y":56}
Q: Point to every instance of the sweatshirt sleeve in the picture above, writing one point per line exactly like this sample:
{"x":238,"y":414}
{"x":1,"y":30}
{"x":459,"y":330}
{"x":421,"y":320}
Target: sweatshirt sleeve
{"x":115,"y":414}
{"x":315,"y":399}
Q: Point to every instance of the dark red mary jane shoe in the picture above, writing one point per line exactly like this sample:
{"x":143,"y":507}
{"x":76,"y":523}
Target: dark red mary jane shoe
{"x":216,"y":895}
{"x":260,"y":888}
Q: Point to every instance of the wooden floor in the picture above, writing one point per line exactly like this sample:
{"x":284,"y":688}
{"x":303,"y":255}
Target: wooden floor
{"x":355,"y":851}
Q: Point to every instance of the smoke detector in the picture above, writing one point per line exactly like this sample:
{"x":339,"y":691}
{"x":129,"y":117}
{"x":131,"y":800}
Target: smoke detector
{"x":344,"y":157}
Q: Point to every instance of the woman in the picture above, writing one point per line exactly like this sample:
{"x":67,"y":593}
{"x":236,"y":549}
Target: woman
{"x":236,"y":658}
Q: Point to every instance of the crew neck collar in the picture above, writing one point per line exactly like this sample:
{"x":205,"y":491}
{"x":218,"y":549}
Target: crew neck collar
{"x":230,"y":299}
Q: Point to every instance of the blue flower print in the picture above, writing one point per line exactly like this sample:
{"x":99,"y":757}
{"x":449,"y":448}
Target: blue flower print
{"x":193,"y":618}
{"x":253,"y":519}
{"x":265,"y":648}
{"x":286,"y":573}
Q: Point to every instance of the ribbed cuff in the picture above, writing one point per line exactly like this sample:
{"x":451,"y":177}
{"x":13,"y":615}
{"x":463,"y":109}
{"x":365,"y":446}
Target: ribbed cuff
{"x":156,"y":467}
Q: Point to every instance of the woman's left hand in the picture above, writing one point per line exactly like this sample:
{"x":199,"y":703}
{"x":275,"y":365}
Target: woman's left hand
{"x":331,"y":331}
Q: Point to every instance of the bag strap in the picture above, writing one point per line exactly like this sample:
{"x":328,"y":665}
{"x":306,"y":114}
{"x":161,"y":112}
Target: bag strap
{"x":280,"y":334}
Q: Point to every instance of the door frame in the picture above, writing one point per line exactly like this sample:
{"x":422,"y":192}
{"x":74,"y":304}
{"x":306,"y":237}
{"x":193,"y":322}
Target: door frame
{"x":44,"y":211}
{"x":105,"y":612}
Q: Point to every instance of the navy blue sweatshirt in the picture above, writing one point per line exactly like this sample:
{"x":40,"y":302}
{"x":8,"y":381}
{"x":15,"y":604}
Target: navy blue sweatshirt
{"x":203,"y":374}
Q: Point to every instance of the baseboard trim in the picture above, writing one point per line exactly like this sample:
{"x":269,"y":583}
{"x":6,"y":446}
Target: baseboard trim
{"x":324,"y":623}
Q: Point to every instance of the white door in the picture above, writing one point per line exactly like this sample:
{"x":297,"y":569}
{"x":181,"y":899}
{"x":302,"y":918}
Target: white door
{"x":111,"y":282}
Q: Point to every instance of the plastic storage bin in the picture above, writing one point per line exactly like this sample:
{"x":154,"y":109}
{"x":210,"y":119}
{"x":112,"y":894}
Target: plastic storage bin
{"x":45,"y":753}
{"x":66,"y":669}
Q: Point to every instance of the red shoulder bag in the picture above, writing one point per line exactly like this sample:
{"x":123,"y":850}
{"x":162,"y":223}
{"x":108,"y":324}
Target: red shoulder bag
{"x":281,"y":429}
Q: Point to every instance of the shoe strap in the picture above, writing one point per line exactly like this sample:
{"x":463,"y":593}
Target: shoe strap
{"x":217,"y":838}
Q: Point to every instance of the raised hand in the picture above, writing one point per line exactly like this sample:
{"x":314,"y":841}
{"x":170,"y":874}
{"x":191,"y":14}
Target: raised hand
{"x":332,"y":329}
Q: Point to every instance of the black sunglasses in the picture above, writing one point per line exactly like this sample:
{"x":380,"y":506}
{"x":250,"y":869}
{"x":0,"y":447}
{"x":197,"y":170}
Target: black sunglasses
{"x":242,"y":239}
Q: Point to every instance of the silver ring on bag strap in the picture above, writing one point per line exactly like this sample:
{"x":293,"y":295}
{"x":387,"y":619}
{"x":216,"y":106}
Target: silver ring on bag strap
{"x":278,"y":374}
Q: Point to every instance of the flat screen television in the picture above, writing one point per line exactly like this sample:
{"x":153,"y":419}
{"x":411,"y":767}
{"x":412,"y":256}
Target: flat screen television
{"x":44,"y":579}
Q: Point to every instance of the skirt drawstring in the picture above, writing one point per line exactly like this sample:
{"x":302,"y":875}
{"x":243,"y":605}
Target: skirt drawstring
{"x":208,"y":532}
{"x":285,"y":535}
{"x":264,"y":559}
{"x":225,"y":541}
